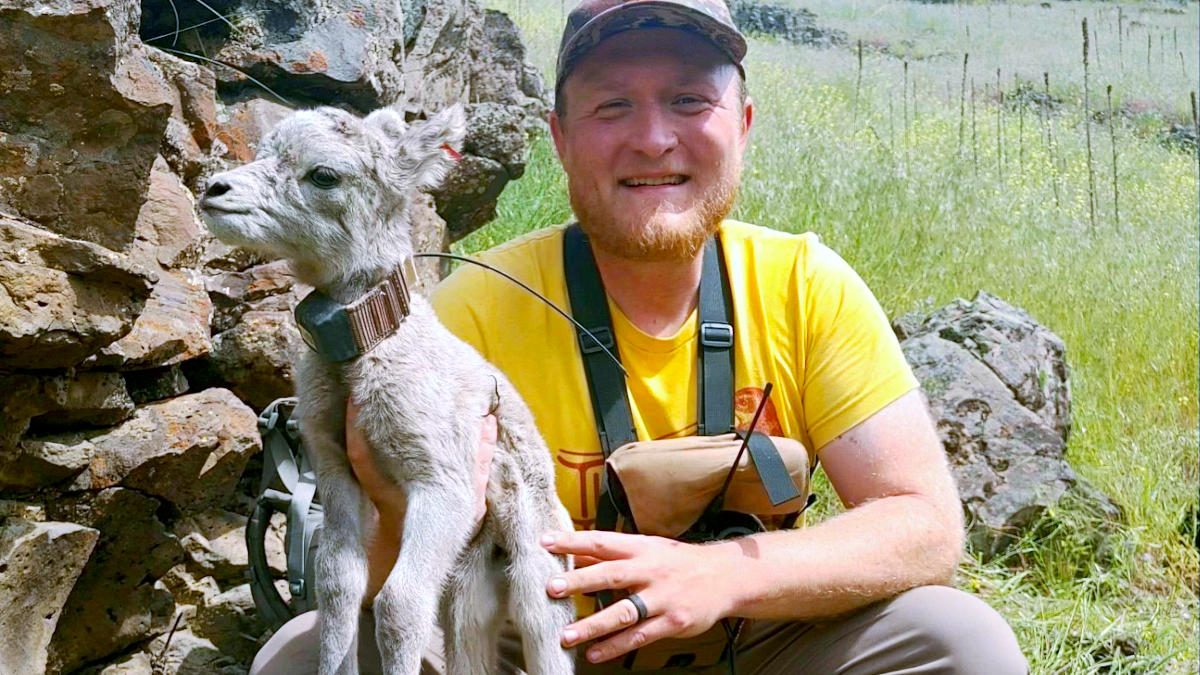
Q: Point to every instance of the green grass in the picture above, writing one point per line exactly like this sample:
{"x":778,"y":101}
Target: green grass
{"x":924,"y":222}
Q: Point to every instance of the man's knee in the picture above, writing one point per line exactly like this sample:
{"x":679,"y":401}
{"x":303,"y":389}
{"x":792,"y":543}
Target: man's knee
{"x":292,"y":650}
{"x":958,"y":629}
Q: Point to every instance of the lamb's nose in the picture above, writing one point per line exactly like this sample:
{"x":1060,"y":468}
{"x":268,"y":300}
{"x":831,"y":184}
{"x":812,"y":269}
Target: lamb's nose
{"x":216,"y":189}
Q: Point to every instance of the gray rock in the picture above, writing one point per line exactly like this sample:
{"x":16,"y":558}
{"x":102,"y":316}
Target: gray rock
{"x":62,"y":299}
{"x":436,"y":69}
{"x":495,"y":149}
{"x":244,"y":123}
{"x":793,"y":24}
{"x":266,"y":288}
{"x":189,"y":451}
{"x":82,"y":116}
{"x":429,"y":234}
{"x":501,"y":70}
{"x":45,"y":461}
{"x":256,"y":357}
{"x":1028,"y":358}
{"x":497,"y":132}
{"x":22,"y":511}
{"x":316,"y":51}
{"x":230,"y":621}
{"x":167,"y":232}
{"x":49,"y":402}
{"x":115,"y":603}
{"x":215,"y":543}
{"x":174,"y":327}
{"x":274,"y":545}
{"x":39,"y":563}
{"x":191,"y":138}
{"x":467,"y":198}
{"x":187,"y":588}
{"x":1006,"y":439}
{"x":221,"y":257}
{"x":87,"y":398}
{"x":184,"y":654}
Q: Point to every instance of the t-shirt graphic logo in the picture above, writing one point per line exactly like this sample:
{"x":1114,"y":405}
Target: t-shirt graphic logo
{"x":745,"y":402}
{"x":587,"y":466}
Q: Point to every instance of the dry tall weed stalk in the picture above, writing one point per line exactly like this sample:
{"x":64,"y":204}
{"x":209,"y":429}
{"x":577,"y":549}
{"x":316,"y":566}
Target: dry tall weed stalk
{"x":1087,"y":125}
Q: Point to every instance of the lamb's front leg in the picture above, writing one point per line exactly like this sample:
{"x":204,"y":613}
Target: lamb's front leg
{"x":437,"y":523}
{"x":341,"y":567}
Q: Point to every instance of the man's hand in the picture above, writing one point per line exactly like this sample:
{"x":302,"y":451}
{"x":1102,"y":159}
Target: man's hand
{"x":388,"y":497}
{"x":686,"y":587}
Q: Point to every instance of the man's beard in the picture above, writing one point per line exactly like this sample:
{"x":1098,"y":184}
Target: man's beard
{"x":654,"y":237}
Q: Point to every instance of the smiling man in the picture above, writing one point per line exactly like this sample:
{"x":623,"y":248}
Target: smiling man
{"x":651,"y":122}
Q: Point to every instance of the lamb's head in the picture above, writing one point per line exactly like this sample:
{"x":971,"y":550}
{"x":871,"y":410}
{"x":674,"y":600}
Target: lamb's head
{"x":331,"y":191}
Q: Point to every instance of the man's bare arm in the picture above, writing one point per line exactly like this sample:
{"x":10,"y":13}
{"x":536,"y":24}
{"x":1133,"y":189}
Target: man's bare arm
{"x":383,"y":544}
{"x":903,"y":527}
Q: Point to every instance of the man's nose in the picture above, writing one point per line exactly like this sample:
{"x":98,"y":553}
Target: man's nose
{"x":655,"y":132}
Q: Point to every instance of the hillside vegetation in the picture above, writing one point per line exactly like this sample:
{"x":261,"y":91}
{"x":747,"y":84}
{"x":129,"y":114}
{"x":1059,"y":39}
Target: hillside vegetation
{"x":934,"y":189}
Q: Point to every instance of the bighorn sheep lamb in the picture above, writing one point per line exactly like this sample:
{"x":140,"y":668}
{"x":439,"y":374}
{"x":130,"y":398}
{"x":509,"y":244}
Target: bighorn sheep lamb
{"x":331,"y":192}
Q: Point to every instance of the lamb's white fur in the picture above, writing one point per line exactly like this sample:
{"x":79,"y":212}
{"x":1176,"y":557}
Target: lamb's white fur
{"x":421,"y":395}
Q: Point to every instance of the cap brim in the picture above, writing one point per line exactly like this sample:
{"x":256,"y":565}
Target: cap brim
{"x":649,"y":14}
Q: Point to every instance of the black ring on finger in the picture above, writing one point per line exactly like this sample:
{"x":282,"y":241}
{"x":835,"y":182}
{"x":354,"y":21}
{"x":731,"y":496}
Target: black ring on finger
{"x":640,"y":606}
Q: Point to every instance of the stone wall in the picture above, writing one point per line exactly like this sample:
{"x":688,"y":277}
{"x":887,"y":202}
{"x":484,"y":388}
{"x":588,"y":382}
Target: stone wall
{"x":135,"y":350}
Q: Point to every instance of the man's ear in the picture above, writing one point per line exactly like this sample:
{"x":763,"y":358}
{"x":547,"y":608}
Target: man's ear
{"x":747,"y":121}
{"x":425,"y":151}
{"x":556,"y":133}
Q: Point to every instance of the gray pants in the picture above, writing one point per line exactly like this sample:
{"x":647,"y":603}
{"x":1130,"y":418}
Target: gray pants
{"x":927,"y":630}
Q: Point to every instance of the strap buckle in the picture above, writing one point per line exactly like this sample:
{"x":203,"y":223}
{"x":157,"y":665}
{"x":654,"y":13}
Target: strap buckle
{"x":716,"y":335}
{"x":590,"y":346}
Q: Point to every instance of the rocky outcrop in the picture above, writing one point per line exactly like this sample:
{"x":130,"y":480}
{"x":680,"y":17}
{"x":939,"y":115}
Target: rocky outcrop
{"x":116,"y":602}
{"x":62,"y":299}
{"x":82,"y":116}
{"x":133,"y":345}
{"x":794,"y":24}
{"x":998,"y":390}
{"x":41,"y":563}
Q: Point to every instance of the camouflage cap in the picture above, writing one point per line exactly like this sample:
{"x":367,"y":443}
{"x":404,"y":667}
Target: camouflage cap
{"x":594,"y":20}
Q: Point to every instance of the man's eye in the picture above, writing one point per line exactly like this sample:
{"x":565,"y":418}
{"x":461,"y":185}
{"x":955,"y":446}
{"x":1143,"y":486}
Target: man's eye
{"x":611,"y":107}
{"x":690,"y":102}
{"x":324,"y":177}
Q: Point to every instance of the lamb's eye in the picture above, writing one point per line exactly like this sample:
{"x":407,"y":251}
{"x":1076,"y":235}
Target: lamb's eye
{"x":324,"y":177}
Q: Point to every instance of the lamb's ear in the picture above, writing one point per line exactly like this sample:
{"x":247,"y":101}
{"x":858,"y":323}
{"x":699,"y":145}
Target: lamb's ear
{"x":430,"y":148}
{"x":389,"y":121}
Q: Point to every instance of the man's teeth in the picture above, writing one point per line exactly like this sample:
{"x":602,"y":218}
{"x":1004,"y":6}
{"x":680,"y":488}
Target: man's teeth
{"x":668,"y":180}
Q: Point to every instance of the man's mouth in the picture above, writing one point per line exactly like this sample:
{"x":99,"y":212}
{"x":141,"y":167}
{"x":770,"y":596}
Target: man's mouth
{"x":655,"y":181}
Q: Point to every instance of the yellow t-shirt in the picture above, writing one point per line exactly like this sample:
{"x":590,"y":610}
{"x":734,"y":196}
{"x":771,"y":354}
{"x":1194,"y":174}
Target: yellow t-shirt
{"x":803,"y":320}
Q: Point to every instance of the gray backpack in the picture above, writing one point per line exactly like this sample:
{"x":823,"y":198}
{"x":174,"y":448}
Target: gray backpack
{"x":288,"y":486}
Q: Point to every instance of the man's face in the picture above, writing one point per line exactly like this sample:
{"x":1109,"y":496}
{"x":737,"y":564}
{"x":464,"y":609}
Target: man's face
{"x":651,"y":139}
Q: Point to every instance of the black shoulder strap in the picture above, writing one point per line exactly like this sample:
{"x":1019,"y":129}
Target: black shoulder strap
{"x":589,"y":306}
{"x":714,"y":395}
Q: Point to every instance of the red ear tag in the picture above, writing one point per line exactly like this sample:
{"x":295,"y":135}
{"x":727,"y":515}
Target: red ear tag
{"x":454,"y":154}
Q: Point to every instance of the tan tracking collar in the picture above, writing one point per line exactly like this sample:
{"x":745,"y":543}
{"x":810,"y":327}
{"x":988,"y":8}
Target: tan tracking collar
{"x":380,"y":311}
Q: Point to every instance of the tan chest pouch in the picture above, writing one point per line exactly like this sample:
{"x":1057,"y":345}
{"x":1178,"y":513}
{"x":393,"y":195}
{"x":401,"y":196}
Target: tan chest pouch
{"x":668,"y":484}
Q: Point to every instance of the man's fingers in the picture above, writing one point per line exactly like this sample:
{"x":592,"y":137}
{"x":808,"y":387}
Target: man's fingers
{"x":621,"y":614}
{"x":595,"y":543}
{"x":483,"y":463}
{"x":610,"y":574}
{"x":487,"y":431}
{"x":635,"y":637}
